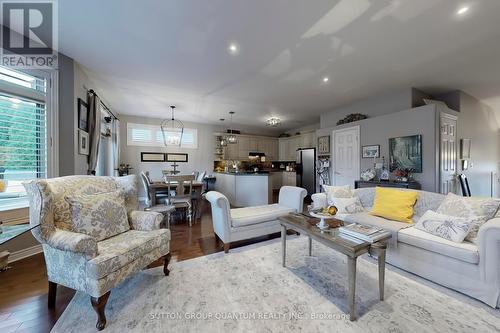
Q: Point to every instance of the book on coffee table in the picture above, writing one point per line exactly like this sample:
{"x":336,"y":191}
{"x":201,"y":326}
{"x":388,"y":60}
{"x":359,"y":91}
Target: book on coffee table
{"x":366,"y":233}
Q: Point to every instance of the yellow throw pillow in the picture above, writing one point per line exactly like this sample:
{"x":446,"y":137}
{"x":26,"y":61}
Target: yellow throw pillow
{"x":394,"y":204}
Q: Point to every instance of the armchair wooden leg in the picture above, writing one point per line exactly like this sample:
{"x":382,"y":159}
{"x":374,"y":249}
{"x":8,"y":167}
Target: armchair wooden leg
{"x":52,"y":295}
{"x":99,"y":304}
{"x":226,"y":247}
{"x":166,"y":259}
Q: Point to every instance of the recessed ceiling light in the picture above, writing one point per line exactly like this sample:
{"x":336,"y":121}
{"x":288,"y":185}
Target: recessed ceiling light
{"x":326,"y":79}
{"x":463,"y":10}
{"x":233,"y":48}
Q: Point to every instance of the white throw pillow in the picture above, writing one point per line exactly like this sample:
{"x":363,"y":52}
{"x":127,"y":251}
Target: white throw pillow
{"x":478,"y":210}
{"x":332,"y":192}
{"x":348,"y":205}
{"x":445,"y":226}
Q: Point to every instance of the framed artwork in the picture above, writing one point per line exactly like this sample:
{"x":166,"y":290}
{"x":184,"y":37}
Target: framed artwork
{"x":324,"y":145}
{"x":406,"y":153}
{"x":83,"y":115}
{"x":372,"y":151}
{"x":152,"y":157}
{"x":465,"y":149}
{"x":83,"y":142}
{"x":176,"y":157}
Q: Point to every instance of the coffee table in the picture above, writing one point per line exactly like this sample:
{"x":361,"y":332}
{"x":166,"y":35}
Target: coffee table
{"x":350,"y":247}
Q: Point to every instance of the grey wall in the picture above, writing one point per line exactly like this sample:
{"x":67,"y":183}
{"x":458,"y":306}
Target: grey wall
{"x":478,"y":122}
{"x":378,"y":130}
{"x":67,"y":118}
{"x":200,"y":159}
{"x":375,"y":106}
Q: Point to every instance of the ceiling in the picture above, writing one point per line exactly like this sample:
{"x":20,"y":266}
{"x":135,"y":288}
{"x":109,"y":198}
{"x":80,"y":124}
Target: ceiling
{"x":144,"y":55}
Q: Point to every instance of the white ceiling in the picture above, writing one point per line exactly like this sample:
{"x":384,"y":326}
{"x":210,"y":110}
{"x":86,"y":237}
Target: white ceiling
{"x":145,"y":55}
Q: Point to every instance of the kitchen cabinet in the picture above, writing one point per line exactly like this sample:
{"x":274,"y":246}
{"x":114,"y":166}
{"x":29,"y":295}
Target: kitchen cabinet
{"x":252,"y":143}
{"x":289,"y":178}
{"x":243,"y":147}
{"x":288,"y":146}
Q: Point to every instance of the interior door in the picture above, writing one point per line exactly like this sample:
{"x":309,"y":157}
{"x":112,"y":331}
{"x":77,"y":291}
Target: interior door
{"x":346,"y":157}
{"x":448,"y":153}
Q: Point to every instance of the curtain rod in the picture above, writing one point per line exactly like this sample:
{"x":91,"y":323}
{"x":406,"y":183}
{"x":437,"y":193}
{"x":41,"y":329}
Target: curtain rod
{"x":102,"y":103}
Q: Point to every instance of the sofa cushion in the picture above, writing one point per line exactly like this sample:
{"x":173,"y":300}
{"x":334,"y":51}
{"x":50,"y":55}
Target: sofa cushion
{"x":477,"y":209}
{"x":394,"y":204}
{"x":257,"y":214}
{"x":120,"y":250}
{"x":465,"y":251}
{"x":445,"y":226}
{"x":101,"y":215}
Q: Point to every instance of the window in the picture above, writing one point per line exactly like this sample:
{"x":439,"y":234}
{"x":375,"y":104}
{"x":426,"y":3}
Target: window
{"x":150,"y":135}
{"x":24,"y":134}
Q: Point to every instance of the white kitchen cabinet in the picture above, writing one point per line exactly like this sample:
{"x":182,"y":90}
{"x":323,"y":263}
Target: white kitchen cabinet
{"x":253,"y":144}
{"x":231,"y":152}
{"x":243,"y":147}
{"x":289,"y":178}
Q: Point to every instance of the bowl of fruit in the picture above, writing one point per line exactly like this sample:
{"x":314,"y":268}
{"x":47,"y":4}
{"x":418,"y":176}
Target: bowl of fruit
{"x":324,"y":214}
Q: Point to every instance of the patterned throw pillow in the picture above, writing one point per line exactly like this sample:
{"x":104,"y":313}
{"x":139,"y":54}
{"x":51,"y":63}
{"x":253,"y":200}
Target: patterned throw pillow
{"x":448,"y":227}
{"x":337,"y":192}
{"x":101,"y":215}
{"x":348,"y":205}
{"x":477,"y":210}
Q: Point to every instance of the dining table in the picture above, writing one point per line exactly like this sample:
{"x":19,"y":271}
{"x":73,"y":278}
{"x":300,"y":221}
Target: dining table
{"x":197,"y":187}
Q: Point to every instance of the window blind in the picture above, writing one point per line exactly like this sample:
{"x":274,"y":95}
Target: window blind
{"x":150,"y":135}
{"x":23,"y":133}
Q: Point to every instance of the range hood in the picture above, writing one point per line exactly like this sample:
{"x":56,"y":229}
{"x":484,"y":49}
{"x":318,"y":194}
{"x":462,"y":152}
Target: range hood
{"x":256,"y":155}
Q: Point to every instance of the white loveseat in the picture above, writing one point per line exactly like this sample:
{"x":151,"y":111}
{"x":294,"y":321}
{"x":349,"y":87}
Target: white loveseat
{"x":232,"y":225}
{"x":472,"y":269}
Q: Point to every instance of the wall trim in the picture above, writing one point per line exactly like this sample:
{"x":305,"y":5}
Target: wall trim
{"x":25,"y":253}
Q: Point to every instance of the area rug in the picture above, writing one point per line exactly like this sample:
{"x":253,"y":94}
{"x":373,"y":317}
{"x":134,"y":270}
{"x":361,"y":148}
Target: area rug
{"x":248,"y":290}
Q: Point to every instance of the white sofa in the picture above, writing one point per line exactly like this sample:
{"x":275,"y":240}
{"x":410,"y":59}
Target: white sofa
{"x":472,"y":269}
{"x":236,"y":224}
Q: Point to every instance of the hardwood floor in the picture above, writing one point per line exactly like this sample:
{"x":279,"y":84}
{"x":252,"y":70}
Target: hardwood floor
{"x":24,"y":287}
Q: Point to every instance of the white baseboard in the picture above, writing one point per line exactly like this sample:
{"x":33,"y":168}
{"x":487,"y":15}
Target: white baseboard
{"x":25,"y":253}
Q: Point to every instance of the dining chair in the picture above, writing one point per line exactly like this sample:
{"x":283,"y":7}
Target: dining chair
{"x":165,"y":209}
{"x":201,"y":176}
{"x":180,"y":193}
{"x":160,"y":195}
{"x":464,"y":184}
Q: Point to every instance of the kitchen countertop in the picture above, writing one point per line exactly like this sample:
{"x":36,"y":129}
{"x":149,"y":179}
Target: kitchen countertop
{"x":244,"y":173}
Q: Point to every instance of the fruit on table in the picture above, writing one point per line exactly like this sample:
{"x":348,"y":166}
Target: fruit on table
{"x":330,"y":210}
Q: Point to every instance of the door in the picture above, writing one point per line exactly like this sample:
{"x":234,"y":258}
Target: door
{"x":346,"y":157}
{"x":448,"y":153}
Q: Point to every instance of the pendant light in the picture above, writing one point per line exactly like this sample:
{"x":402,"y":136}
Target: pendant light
{"x":223,"y":141}
{"x":172,"y":130}
{"x":231,"y":138}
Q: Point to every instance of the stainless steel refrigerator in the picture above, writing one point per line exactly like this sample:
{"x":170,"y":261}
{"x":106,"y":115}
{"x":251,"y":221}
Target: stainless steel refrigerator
{"x":306,"y":169}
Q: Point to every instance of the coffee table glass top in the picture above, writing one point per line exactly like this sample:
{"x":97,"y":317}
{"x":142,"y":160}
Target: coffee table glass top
{"x":10,"y":232}
{"x":306,"y":224}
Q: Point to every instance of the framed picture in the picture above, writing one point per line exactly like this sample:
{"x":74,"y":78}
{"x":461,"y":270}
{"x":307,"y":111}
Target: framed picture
{"x":465,"y":149}
{"x":152,"y":157}
{"x":324,"y":145}
{"x":372,"y":151}
{"x":83,"y":115}
{"x":406,"y":153}
{"x":83,"y":142}
{"x":176,"y":157}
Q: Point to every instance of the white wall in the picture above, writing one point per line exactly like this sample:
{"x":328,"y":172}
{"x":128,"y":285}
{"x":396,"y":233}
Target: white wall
{"x":375,"y":106}
{"x":378,"y":131}
{"x":200,"y":159}
{"x":478,"y":122}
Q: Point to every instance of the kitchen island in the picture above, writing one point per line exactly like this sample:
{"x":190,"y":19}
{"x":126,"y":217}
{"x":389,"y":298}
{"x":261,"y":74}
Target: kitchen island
{"x":244,"y":189}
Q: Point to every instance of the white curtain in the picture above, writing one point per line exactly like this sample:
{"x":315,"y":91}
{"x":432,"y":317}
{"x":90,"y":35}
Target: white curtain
{"x":116,"y":147}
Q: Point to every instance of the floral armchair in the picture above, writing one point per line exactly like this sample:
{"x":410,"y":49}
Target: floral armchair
{"x":87,"y":263}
